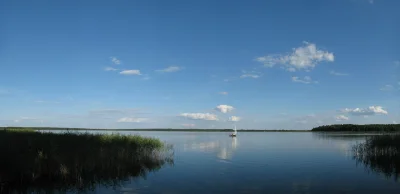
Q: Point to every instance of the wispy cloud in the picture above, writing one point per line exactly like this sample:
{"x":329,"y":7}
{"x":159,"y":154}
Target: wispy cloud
{"x":372,"y":110}
{"x":387,"y":88}
{"x":305,"y":80}
{"x":23,"y":119}
{"x":371,"y":1}
{"x":341,"y":118}
{"x":146,"y":77}
{"x":224,"y":108}
{"x":110,"y":69}
{"x":132,"y":120}
{"x":234,"y":118}
{"x":302,"y":58}
{"x":188,"y":125}
{"x":302,"y":121}
{"x":115,"y":61}
{"x":396,"y":63}
{"x":200,"y":116}
{"x":130,"y":72}
{"x":223,"y":93}
{"x":250,"y":74}
{"x":338,"y":74}
{"x":170,"y":69}
{"x":229,"y":79}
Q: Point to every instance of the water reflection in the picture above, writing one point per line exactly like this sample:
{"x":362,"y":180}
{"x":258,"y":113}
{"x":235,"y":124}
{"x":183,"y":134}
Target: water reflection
{"x":82,"y":166}
{"x":301,"y":187}
{"x":223,"y":149}
{"x":380,"y":154}
{"x":343,"y":142}
{"x":342,"y":136}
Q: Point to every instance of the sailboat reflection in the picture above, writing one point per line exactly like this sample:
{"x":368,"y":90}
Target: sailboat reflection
{"x":226,"y":152}
{"x":223,"y":148}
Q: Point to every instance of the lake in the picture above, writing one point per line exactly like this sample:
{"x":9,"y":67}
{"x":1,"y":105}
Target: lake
{"x":259,"y":162}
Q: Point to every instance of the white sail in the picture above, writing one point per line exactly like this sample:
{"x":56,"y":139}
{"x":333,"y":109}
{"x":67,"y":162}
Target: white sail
{"x":235,"y":131}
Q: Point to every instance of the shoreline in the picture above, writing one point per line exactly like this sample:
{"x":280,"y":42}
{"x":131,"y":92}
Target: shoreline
{"x":347,"y":128}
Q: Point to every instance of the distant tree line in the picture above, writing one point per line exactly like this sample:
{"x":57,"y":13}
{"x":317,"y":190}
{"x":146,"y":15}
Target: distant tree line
{"x":156,"y":129}
{"x":359,"y":128}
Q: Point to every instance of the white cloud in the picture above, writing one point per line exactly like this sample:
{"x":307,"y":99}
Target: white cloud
{"x":250,"y":75}
{"x":224,"y":108}
{"x":200,"y":116}
{"x":188,"y":125}
{"x":387,"y":88}
{"x":132,"y":120}
{"x":338,"y":74}
{"x":228,"y":79}
{"x":170,"y":69}
{"x":223,"y":93}
{"x":302,"y":58}
{"x":372,"y":110}
{"x":110,"y":69}
{"x":234,"y":118}
{"x":130,"y":72}
{"x":371,"y":1}
{"x":341,"y":118}
{"x":305,"y":80}
{"x":115,"y":61}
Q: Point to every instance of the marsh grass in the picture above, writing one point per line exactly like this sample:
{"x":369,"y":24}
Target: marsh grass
{"x":38,"y":161}
{"x":380,"y":154}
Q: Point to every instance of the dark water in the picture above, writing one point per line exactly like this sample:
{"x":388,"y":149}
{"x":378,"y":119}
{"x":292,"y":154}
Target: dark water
{"x":259,"y":163}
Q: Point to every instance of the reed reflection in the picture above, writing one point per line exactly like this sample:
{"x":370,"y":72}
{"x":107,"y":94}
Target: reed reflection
{"x":33,"y":162}
{"x":380,"y":154}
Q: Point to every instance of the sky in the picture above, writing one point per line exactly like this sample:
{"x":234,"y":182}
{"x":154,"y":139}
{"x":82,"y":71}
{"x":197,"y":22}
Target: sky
{"x":277,"y":64}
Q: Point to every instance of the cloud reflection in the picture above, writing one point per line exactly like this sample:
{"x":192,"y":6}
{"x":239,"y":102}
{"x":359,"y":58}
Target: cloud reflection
{"x":223,"y":149}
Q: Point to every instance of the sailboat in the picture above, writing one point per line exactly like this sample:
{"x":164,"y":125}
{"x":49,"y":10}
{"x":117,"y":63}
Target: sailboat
{"x":234,"y":133}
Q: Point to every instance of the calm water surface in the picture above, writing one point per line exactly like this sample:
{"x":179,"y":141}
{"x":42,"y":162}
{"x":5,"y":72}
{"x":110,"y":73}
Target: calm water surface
{"x":269,"y":162}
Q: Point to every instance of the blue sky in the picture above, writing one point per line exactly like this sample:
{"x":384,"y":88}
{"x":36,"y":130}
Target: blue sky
{"x":205,"y":64}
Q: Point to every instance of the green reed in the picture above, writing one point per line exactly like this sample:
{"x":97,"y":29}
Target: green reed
{"x":35,"y":161}
{"x":380,"y":154}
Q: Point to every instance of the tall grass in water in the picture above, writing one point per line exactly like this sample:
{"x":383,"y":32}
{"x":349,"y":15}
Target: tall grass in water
{"x":33,"y":161}
{"x":380,"y":154}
